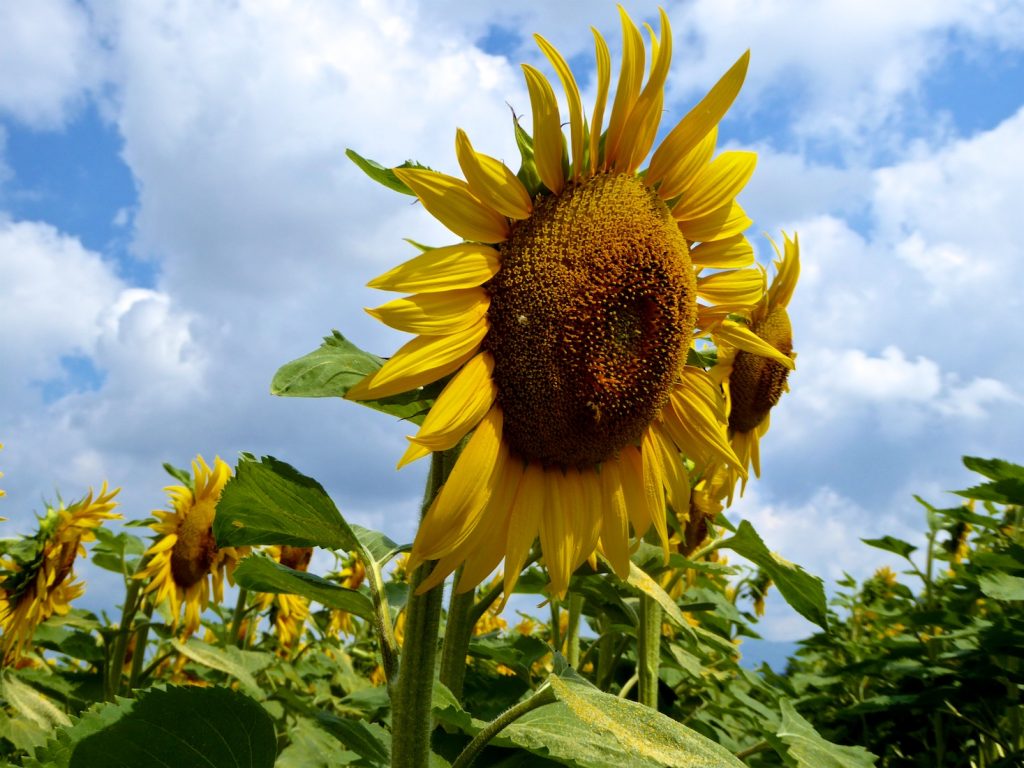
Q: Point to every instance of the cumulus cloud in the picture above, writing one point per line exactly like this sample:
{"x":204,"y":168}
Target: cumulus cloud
{"x":41,"y":83}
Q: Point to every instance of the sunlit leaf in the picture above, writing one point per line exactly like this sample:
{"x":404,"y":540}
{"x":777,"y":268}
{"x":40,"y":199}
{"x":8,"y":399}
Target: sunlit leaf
{"x":259,"y":573}
{"x":810,"y":750}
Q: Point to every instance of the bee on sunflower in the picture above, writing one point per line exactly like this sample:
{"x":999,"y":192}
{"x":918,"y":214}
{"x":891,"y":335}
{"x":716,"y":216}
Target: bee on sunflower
{"x":37,"y":579}
{"x":566,"y":318}
{"x":185,"y":563}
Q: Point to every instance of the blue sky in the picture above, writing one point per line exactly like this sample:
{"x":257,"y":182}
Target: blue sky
{"x":177,"y":219}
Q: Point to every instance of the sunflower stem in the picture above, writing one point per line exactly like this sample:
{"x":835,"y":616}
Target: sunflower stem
{"x":648,"y":651}
{"x":236,"y":619}
{"x":410,"y":702}
{"x":544,"y":696}
{"x":572,"y":632}
{"x":132,"y":600}
{"x":139,"y":654}
{"x":457,"y":633}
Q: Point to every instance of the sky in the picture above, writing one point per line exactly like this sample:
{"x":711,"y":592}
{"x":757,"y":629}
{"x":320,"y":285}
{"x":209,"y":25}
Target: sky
{"x":178,"y":219}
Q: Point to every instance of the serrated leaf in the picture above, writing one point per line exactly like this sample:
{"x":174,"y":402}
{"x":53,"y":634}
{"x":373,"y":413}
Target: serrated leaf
{"x":336,"y":367}
{"x":239,"y":664}
{"x":185,"y":728}
{"x":1001,"y":586}
{"x":994,"y":469}
{"x":804,"y":592}
{"x":270,"y":502}
{"x":810,"y":750}
{"x":598,"y":730}
{"x":259,"y":573}
{"x":377,"y":544}
{"x":891,"y":544}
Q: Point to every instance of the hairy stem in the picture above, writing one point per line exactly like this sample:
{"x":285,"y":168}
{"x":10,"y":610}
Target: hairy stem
{"x":648,"y":651}
{"x":544,"y":696}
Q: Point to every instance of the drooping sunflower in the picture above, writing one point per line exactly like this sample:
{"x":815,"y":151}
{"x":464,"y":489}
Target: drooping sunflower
{"x":754,"y":383}
{"x":38,"y":577}
{"x":567,"y":314}
{"x":287,"y":612}
{"x":185,"y":561}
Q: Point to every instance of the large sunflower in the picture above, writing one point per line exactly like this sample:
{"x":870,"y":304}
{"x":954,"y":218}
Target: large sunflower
{"x":185,"y":560}
{"x":567,"y":315}
{"x":754,"y":383}
{"x":38,"y":577}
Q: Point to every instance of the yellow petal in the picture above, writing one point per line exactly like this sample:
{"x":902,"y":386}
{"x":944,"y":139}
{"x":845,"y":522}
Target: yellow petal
{"x":465,"y":265}
{"x":615,"y":525}
{"x":716,"y":185}
{"x":450,"y":201}
{"x":646,"y":115}
{"x":524,"y":521}
{"x":457,"y":509}
{"x":589,"y":516}
{"x":492,"y":181}
{"x":414,"y":452}
{"x":734,"y":252}
{"x":638,"y":500}
{"x":557,"y":539}
{"x":664,"y":167}
{"x":654,"y":479}
{"x":603,"y":78}
{"x":736,"y":287}
{"x":631,"y":75}
{"x":695,"y":419}
{"x":674,"y":476}
{"x":464,"y":401}
{"x":547,"y":130}
{"x":689,"y":167}
{"x":787,"y":273}
{"x":572,"y":96}
{"x":740,"y":336}
{"x":724,"y":222}
{"x":421,"y":361}
{"x":488,"y":547}
{"x":434,"y":314}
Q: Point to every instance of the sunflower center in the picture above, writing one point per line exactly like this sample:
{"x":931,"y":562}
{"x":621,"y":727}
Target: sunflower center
{"x":756,"y":383}
{"x":196,"y":548}
{"x":590,"y":320}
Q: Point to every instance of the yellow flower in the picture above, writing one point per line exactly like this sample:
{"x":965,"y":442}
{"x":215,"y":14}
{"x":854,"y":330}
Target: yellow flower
{"x":38,"y":572}
{"x":754,"y":380}
{"x":351,"y":576}
{"x":566,"y":317}
{"x":288,"y":612}
{"x":185,"y":560}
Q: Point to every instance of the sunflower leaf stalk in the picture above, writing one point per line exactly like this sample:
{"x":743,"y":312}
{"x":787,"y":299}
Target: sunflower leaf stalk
{"x":457,"y":633}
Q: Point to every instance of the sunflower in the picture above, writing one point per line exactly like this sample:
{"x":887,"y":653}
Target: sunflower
{"x":288,"y":612}
{"x":351,"y":576}
{"x":566,"y":317}
{"x":753,"y":383}
{"x":38,"y":577}
{"x":186,"y":560}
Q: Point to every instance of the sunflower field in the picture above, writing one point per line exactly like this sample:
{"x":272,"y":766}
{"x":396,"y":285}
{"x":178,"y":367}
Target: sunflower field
{"x":592,"y":367}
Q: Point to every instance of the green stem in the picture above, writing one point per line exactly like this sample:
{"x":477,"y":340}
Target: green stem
{"x":556,"y":625}
{"x":236,"y":619}
{"x":605,"y":651}
{"x":541,"y":698}
{"x":458,"y":631}
{"x":115,"y":667}
{"x":572,"y":634}
{"x":139,"y":656}
{"x":410,"y":702}
{"x":761,"y":746}
{"x":648,"y":651}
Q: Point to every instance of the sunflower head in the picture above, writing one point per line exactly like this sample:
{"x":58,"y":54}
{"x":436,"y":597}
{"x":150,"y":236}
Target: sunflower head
{"x":565,"y":318}
{"x":185,"y":561}
{"x":37,"y":579}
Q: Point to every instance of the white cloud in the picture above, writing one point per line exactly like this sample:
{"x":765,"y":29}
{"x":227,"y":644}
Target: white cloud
{"x":48,"y":57}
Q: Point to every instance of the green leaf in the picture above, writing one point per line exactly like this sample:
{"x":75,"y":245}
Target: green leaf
{"x":639,"y":579}
{"x":890,"y":544}
{"x":598,"y":730}
{"x":312,"y":747}
{"x":382,"y":175}
{"x":239,"y":664}
{"x":270,"y":502}
{"x":810,"y":750}
{"x":30,"y":703}
{"x":183,"y":476}
{"x":336,"y":367}
{"x":369,"y":740}
{"x":804,"y":592}
{"x":259,"y":573}
{"x":994,"y":469}
{"x":186,"y":728}
{"x":376,"y":543}
{"x":1001,"y":586}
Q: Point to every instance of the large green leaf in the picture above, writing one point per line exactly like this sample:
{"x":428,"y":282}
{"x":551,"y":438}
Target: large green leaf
{"x":270,"y":502}
{"x":241,"y":665}
{"x":336,"y":367}
{"x":185,"y":728}
{"x":259,"y":573}
{"x":312,"y":747}
{"x":891,"y":544}
{"x":1001,"y":586}
{"x":804,"y":592}
{"x":809,"y":750}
